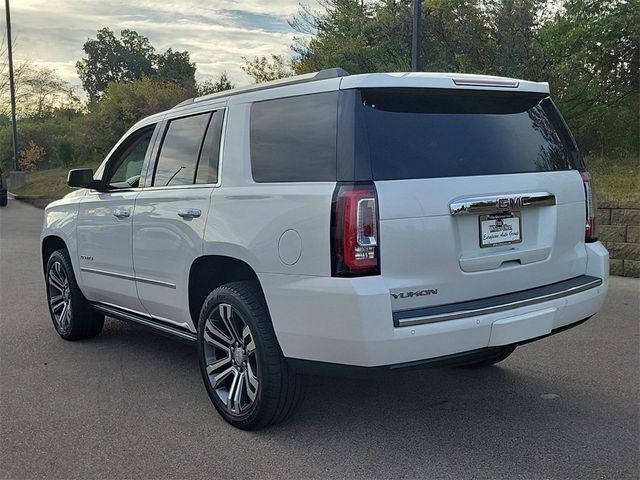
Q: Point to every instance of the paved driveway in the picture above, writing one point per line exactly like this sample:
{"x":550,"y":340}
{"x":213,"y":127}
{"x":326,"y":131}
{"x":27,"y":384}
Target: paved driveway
{"x":130,"y":404}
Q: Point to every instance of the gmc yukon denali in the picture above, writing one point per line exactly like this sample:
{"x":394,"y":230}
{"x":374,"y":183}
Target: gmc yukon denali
{"x":333,"y":222}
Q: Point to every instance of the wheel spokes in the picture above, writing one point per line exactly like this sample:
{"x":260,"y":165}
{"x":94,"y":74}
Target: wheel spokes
{"x":63,"y":314}
{"x":56,"y":302}
{"x":55,"y":281}
{"x":216,"y":365}
{"x":215,"y":337}
{"x":226,"y":314}
{"x":251,"y":383}
{"x":248,"y":340}
{"x":221,"y":377}
{"x":234,"y":401}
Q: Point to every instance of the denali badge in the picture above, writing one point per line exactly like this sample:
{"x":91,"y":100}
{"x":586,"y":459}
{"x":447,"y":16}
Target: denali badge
{"x":418,"y":293}
{"x":513,"y":203}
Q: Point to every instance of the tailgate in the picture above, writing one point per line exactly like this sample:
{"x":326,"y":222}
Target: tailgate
{"x":432,"y":253}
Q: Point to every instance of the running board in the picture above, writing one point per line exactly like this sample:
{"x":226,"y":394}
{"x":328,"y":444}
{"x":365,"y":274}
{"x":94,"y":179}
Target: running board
{"x":146,"y":321}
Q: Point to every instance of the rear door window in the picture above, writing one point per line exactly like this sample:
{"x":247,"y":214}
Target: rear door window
{"x":419,"y":133}
{"x":294,"y":139}
{"x":180,"y":150}
{"x":210,"y":154}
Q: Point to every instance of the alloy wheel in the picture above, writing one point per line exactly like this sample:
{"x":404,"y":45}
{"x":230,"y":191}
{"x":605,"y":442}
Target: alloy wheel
{"x":60,"y":296}
{"x":231,"y":359}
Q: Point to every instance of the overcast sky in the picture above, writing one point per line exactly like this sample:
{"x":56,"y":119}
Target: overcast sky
{"x":217,"y":33}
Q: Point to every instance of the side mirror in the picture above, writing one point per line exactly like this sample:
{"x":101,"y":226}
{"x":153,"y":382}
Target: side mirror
{"x":81,"y":178}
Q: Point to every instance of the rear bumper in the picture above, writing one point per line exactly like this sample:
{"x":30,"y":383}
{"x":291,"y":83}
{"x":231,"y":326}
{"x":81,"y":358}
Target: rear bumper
{"x":350,"y":321}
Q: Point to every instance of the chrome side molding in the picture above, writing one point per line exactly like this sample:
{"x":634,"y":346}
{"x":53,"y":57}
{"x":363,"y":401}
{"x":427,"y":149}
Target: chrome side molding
{"x":128,"y":277}
{"x":501,"y":203}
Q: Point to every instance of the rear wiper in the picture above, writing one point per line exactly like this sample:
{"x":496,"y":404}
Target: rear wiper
{"x":172,"y":176}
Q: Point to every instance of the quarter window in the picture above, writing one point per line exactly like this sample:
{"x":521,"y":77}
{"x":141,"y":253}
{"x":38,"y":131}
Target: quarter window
{"x":294,"y":139}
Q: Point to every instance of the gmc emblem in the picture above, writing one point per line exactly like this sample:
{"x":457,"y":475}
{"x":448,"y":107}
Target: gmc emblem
{"x":513,"y":203}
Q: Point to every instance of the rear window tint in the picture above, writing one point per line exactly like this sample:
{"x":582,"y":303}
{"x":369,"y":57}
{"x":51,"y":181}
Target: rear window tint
{"x":180,"y":149}
{"x":294,"y":139}
{"x":430,"y":134}
{"x":209,"y":157}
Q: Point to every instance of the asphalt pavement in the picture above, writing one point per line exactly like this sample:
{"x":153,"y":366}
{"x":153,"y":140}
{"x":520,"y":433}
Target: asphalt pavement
{"x":130,"y":403}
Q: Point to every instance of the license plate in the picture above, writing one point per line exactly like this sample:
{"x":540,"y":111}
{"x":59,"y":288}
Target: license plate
{"x":500,"y":229}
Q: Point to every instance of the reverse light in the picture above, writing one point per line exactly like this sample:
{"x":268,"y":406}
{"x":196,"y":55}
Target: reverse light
{"x":354,"y":231}
{"x":590,"y":234}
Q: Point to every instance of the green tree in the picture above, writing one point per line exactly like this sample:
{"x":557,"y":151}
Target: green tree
{"x":261,"y":69}
{"x":220,"y":84}
{"x":175,"y":67}
{"x":123,"y":104}
{"x":593,"y":53}
{"x":110,"y":59}
{"x":128,"y":58}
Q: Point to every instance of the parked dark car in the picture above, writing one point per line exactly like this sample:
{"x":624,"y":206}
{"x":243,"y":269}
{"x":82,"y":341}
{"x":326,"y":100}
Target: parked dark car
{"x":3,"y":190}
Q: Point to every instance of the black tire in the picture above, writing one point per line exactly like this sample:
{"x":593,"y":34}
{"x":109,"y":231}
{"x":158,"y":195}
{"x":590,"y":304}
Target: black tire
{"x":81,"y":321}
{"x":3,"y":199}
{"x":279,"y":389}
{"x":495,"y":356}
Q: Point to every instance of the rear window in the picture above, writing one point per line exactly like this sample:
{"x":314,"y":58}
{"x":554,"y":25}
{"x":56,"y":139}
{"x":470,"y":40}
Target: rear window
{"x":415,"y":133}
{"x":294,"y":139}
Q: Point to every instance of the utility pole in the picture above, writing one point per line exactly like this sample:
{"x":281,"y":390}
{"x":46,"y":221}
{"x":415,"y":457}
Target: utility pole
{"x":416,"y":35}
{"x":12,"y":88}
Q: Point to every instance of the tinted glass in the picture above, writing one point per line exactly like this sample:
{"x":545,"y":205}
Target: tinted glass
{"x":129,"y":164}
{"x":418,"y":134}
{"x":180,"y":149}
{"x":294,"y":139}
{"x":208,"y":164}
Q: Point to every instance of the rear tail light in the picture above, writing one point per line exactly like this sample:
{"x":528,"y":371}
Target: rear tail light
{"x":590,"y":226}
{"x":354,"y":231}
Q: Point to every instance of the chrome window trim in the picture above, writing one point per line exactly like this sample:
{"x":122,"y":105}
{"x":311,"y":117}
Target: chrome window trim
{"x":487,"y":204}
{"x":422,"y":320}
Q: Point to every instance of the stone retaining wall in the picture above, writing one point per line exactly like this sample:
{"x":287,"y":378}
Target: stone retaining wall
{"x":619,"y":230}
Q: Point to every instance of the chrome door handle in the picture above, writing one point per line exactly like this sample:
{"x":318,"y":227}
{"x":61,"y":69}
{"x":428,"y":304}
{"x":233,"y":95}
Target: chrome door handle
{"x":121,"y":213}
{"x":189,"y":212}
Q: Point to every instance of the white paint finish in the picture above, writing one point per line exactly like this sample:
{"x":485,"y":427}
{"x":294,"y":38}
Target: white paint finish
{"x":436,"y":80}
{"x":349,"y":321}
{"x":246,"y":223}
{"x":522,"y":327}
{"x":60,"y":221}
{"x":422,"y":246}
{"x":431,"y":197}
{"x":290,"y":247}
{"x":107,"y":239}
{"x":164,"y":247}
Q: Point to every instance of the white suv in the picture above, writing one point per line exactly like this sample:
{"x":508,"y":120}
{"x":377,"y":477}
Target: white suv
{"x":333,"y":222}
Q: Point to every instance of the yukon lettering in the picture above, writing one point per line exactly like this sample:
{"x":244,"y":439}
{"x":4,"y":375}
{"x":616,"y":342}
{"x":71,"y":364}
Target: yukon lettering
{"x":418,"y":293}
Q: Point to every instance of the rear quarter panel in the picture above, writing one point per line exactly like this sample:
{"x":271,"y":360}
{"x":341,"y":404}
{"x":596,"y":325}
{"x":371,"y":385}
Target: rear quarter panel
{"x":247,"y":220}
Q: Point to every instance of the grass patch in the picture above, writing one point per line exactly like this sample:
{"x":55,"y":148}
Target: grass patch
{"x":616,"y":179}
{"x":50,"y":183}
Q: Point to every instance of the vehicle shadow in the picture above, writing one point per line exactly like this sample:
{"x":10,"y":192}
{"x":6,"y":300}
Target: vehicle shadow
{"x":411,"y":418}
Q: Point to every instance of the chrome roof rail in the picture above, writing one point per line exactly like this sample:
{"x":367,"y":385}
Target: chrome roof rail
{"x":308,"y":77}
